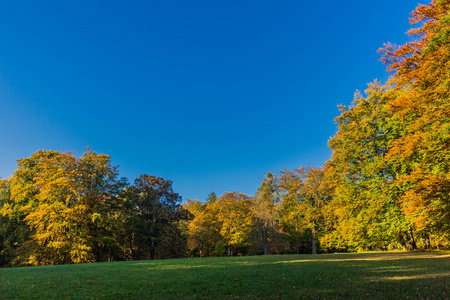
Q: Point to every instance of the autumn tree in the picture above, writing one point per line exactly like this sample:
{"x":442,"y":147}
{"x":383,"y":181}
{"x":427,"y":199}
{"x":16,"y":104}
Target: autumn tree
{"x":305,"y":192}
{"x":154,"y":212}
{"x":19,"y":196}
{"x":263,"y":207}
{"x":203,"y":230}
{"x":70,"y":208}
{"x":291,"y":216}
{"x":235,"y":220}
{"x":212,"y":197}
{"x":368,"y":211}
{"x":58,"y":208}
{"x":421,"y":154}
{"x":63,"y":208}
{"x":390,"y":154}
{"x":12,"y":227}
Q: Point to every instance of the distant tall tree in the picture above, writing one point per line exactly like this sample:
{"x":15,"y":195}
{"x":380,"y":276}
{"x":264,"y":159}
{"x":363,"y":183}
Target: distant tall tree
{"x":235,"y":220}
{"x":212,"y":197}
{"x":318,"y":192}
{"x":305,"y":192}
{"x":291,"y":216}
{"x":225,"y":222}
{"x":153,"y":223}
{"x":203,"y":230}
{"x":264,"y":210}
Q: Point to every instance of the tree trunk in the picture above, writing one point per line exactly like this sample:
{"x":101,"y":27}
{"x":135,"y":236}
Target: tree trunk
{"x":314,"y":241}
{"x":264,"y":240}
{"x":412,"y":242}
{"x":153,"y":251}
{"x":427,"y":241}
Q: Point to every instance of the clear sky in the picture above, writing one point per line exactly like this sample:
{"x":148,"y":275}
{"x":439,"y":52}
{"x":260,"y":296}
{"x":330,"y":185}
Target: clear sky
{"x":209,"y":94}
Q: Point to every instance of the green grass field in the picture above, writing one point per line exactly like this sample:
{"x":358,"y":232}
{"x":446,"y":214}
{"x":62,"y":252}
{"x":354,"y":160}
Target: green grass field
{"x":391,"y":275}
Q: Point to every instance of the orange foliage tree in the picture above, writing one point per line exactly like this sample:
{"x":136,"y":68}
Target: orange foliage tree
{"x":421,"y":155}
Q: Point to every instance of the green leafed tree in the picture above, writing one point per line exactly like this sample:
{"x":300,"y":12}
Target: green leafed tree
{"x":367,"y":203}
{"x":154,"y":213}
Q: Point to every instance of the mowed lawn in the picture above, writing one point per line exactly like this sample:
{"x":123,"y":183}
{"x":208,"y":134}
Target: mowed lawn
{"x":388,"y":275}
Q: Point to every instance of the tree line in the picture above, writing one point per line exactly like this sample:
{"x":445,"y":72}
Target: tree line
{"x":386,"y":185}
{"x":286,"y":215}
{"x":58,"y":209}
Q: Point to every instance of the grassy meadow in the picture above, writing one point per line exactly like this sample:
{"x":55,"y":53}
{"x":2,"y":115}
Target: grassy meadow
{"x":379,"y":275}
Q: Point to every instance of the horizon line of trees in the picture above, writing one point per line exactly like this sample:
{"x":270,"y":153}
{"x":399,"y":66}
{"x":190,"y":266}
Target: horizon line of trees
{"x":386,"y":186}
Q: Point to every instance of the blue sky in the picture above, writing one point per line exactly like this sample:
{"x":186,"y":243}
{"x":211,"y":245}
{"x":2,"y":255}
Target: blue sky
{"x":209,"y":94}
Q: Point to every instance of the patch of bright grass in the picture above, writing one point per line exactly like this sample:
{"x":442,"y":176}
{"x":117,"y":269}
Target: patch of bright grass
{"x":392,"y":275}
